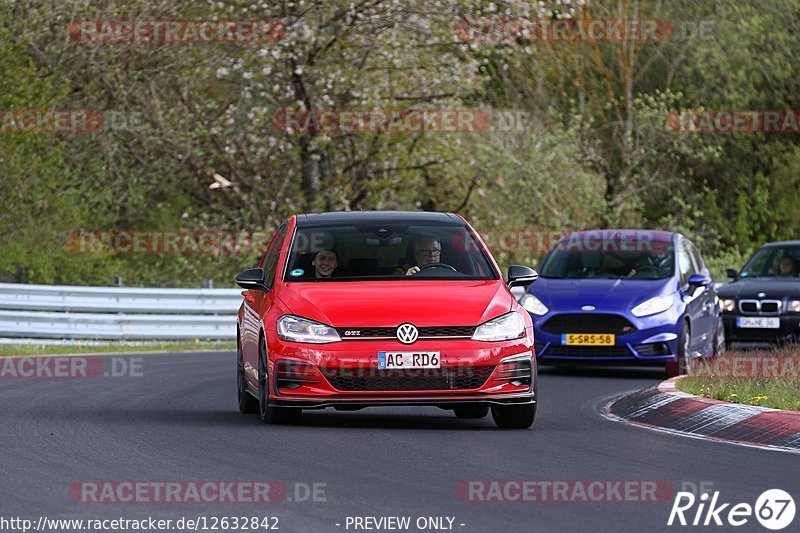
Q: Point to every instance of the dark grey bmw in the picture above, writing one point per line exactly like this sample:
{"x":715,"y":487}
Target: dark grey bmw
{"x":762,"y":303}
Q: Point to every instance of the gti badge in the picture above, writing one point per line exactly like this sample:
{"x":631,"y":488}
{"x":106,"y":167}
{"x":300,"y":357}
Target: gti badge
{"x":588,"y":308}
{"x":407,"y":333}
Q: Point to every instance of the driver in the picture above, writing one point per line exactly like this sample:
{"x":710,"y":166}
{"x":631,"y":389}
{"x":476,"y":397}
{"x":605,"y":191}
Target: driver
{"x":427,"y":250}
{"x":658,"y":260}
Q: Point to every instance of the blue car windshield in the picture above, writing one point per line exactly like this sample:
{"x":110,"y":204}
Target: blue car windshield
{"x":388,"y":251}
{"x":773,"y":261}
{"x":613,"y":262}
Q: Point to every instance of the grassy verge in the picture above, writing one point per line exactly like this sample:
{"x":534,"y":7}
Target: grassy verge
{"x":111,"y":347}
{"x":767,"y":378}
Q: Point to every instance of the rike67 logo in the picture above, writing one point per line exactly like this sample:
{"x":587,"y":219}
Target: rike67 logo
{"x":774,"y":510}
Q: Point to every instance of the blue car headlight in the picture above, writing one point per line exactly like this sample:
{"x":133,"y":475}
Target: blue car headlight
{"x":297,"y":329}
{"x":659,"y":304}
{"x":503,"y":328}
{"x":534,"y":305}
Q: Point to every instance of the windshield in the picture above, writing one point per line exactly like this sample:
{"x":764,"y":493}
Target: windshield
{"x":773,"y":261}
{"x":653,"y":261}
{"x":386,"y":252}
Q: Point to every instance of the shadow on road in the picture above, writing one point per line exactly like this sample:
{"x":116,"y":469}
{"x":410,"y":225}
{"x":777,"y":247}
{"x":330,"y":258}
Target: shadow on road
{"x":655,"y":373}
{"x":369,"y":418}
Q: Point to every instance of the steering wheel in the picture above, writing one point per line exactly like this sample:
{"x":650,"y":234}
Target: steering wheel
{"x":644,"y":269}
{"x":436,"y":265}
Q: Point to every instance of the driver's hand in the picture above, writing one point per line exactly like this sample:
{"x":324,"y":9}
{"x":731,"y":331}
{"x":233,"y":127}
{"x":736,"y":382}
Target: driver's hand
{"x":411,"y":271}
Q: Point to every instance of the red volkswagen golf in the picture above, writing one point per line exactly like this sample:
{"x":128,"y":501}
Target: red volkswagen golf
{"x":359,"y":309}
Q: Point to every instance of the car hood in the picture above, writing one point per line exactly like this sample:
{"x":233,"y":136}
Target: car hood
{"x":604,"y":294}
{"x":390,"y":303}
{"x":775,"y":288}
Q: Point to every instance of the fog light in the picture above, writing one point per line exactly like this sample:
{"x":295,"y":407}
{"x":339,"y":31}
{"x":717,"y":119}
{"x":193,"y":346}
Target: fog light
{"x":518,"y":370}
{"x":293,"y":374}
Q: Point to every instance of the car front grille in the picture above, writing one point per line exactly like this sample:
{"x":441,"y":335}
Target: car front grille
{"x":588,"y":323}
{"x":760,"y":307}
{"x":587,"y":351}
{"x":749,"y":307}
{"x":771,"y":307}
{"x":452,"y":332}
{"x":371,"y":379}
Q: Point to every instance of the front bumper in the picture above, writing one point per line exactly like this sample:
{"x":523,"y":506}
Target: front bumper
{"x":346,"y":374}
{"x":788,"y":331}
{"x":654,"y":342}
{"x":444,"y":402}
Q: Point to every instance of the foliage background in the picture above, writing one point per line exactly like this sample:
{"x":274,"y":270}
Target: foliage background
{"x":591,"y":150}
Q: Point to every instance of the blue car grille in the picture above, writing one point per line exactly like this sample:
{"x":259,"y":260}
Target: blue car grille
{"x":587,"y":351}
{"x":588,"y":323}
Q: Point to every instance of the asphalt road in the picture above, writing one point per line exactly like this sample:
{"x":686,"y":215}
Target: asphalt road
{"x":178,"y":421}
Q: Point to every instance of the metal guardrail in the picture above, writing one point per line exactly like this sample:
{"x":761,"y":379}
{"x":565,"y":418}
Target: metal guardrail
{"x":111,"y":313}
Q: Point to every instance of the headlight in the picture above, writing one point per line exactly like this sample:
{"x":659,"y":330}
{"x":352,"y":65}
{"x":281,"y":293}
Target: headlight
{"x":503,"y":328}
{"x":727,"y":305}
{"x":532,"y":304}
{"x":296,"y":329}
{"x":794,"y":306}
{"x":659,"y":304}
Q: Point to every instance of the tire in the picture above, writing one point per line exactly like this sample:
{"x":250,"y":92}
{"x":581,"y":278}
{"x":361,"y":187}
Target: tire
{"x":514,"y":416}
{"x":271,"y":414}
{"x":471,"y":411}
{"x":680,"y":367}
{"x":247,"y":403}
{"x":720,"y":342}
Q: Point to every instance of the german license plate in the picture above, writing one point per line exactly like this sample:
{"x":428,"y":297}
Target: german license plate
{"x":587,"y":339}
{"x":758,"y":322}
{"x":404,"y":360}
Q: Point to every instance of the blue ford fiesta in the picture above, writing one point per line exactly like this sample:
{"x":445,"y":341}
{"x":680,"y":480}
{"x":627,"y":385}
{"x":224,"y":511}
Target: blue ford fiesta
{"x":618,"y":297}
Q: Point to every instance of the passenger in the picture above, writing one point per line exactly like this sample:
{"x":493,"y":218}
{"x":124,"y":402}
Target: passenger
{"x":427,"y":251}
{"x":787,"y":267}
{"x":324,"y":263}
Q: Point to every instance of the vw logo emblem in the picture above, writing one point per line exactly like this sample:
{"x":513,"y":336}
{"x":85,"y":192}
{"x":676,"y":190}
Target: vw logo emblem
{"x":407,"y":333}
{"x":588,"y":308}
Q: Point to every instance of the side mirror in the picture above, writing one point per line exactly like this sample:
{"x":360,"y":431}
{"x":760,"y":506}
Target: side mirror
{"x":252,"y":278}
{"x":732,"y":273}
{"x":518,"y":292}
{"x":699,"y":280}
{"x":521,"y":276}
